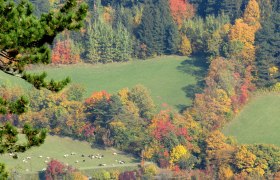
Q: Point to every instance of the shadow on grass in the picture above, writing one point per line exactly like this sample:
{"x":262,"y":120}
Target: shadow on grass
{"x":182,"y":107}
{"x":197,"y":66}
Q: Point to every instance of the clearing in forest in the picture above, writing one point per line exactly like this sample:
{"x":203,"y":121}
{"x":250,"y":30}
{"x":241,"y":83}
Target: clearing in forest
{"x":258,"y":122}
{"x":171,"y":80}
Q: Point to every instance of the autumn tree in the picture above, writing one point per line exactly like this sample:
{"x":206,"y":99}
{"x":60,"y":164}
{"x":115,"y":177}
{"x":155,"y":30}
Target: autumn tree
{"x":56,"y":170}
{"x":185,"y":48}
{"x":243,"y":32}
{"x":181,"y":10}
{"x":252,"y":14}
{"x":244,"y":160}
{"x":64,"y":52}
{"x":140,"y":96}
{"x":178,"y":152}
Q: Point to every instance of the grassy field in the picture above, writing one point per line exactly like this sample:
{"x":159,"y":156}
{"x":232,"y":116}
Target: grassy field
{"x":165,"y":77}
{"x":258,"y":122}
{"x":56,"y":147}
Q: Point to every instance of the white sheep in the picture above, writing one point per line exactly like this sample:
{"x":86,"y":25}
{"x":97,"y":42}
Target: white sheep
{"x":66,"y":155}
{"x":76,"y":161}
{"x":121,"y":162}
{"x":40,"y":156}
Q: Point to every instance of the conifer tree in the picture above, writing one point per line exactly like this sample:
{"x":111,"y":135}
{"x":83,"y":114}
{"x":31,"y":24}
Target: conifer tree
{"x":267,"y":55}
{"x":231,"y":8}
{"x":155,"y":28}
{"x":93,"y":34}
{"x":145,"y":29}
{"x":25,"y":38}
{"x":212,"y":7}
{"x":122,"y":43}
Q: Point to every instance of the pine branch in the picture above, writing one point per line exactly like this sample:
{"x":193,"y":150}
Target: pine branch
{"x":38,"y":81}
{"x":9,"y":139}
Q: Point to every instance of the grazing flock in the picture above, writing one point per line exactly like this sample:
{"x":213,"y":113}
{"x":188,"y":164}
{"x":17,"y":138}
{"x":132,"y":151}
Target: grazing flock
{"x":83,"y":158}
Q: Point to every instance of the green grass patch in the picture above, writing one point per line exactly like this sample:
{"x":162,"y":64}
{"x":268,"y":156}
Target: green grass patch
{"x":168,"y":78}
{"x":11,"y":81}
{"x":258,"y":122}
{"x":56,"y":147}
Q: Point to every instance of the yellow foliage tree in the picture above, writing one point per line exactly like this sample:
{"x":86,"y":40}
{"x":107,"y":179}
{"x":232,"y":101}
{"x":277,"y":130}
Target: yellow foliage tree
{"x":242,"y":32}
{"x":149,"y":152}
{"x":185,"y":48}
{"x":151,"y":169}
{"x":129,"y":105}
{"x":252,"y":14}
{"x":214,"y":142}
{"x":107,"y":14}
{"x":222,"y":101}
{"x":115,"y":174}
{"x":273,"y":70}
{"x":138,"y":16}
{"x":79,"y":176}
{"x":220,"y":153}
{"x":177,"y":152}
{"x":225,"y":172}
{"x":244,"y":160}
{"x":123,"y":94}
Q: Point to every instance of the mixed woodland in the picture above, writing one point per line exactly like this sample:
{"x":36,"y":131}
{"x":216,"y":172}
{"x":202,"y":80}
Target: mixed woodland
{"x":240,"y":40}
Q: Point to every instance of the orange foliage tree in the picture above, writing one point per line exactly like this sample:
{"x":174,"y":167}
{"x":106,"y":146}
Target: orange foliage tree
{"x":181,"y":10}
{"x":63,"y":53}
{"x":97,"y":96}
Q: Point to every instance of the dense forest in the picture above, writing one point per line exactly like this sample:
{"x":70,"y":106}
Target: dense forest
{"x":240,"y":43}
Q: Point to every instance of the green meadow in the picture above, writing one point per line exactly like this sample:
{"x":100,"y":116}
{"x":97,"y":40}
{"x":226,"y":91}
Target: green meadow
{"x":170,"y":79}
{"x":57,"y":147}
{"x":258,"y":122}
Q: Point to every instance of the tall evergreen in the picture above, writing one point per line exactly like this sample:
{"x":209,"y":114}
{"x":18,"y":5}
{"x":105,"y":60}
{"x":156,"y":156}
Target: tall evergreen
{"x":145,"y":31}
{"x":173,"y":39}
{"x":231,"y":8}
{"x":212,"y":7}
{"x":107,"y":45}
{"x":155,"y":28}
{"x":199,"y":6}
{"x":122,"y":44}
{"x":93,"y":43}
{"x":268,"y":51}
